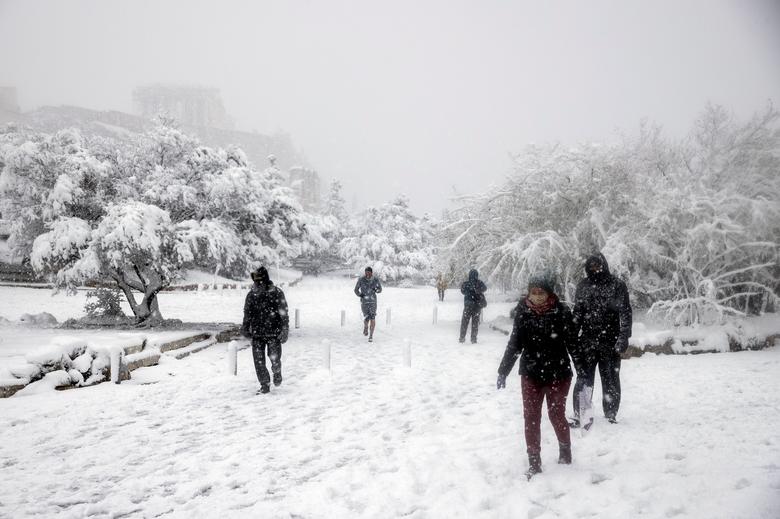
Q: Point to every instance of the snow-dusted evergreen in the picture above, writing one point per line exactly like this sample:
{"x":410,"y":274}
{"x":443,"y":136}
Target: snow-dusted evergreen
{"x":395,"y":242}
{"x":693,"y":226}
{"x":139,"y":213}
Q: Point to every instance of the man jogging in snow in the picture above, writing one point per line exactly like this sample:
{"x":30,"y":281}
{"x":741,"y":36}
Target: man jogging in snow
{"x":473,"y":290}
{"x":366,"y":288}
{"x":602,"y":314}
{"x":266,"y":322}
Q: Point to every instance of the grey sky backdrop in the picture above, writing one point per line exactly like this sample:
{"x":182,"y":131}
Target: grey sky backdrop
{"x":424,"y":98}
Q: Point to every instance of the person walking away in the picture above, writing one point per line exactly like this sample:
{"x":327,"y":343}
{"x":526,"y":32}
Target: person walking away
{"x":441,"y":285}
{"x":473,"y":290}
{"x":366,"y":288}
{"x":603,"y":318}
{"x":542,"y":335}
{"x":266,"y":322}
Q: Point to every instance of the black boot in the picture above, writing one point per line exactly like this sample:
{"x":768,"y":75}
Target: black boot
{"x":277,"y":379}
{"x":534,"y":465}
{"x":564,"y":456}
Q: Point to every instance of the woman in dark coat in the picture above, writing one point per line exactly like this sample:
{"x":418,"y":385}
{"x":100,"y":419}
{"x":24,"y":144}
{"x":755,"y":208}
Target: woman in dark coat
{"x":542,"y":338}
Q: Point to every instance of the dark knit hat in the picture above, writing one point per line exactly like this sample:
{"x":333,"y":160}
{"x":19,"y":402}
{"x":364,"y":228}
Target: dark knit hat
{"x":369,"y":269}
{"x":543,"y":280}
{"x":261,"y":275}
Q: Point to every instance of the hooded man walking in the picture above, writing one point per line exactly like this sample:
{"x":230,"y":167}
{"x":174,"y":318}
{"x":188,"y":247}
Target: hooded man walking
{"x":473,"y":290}
{"x":266,"y":322}
{"x":366,"y":288}
{"x":602,"y":314}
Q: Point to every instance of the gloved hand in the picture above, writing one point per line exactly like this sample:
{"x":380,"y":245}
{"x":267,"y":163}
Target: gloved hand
{"x":621,"y":345}
{"x":284,"y":335}
{"x":245,"y":332}
{"x":501,"y":382}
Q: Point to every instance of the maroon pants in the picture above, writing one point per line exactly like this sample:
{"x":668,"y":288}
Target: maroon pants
{"x":533,"y":395}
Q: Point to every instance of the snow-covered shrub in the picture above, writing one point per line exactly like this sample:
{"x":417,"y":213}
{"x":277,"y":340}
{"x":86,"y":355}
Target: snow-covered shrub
{"x":104,"y":302}
{"x":41,"y":320}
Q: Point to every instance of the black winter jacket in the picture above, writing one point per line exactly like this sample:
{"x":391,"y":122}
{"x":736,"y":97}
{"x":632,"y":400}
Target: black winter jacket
{"x":265,"y":312}
{"x":602,"y":311}
{"x":472,"y":289}
{"x":542,"y":342}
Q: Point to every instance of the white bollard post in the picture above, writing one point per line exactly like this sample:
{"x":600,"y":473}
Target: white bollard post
{"x":435,"y":314}
{"x":297,"y":318}
{"x":389,"y":313}
{"x":232,"y":358}
{"x":343,"y":317}
{"x":115,"y":362}
{"x":407,"y":353}
{"x":326,"y":354}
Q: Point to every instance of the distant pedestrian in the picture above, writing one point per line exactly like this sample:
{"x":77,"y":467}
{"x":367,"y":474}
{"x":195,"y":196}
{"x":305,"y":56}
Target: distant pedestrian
{"x":441,"y":285}
{"x":602,"y":314}
{"x":542,"y":336}
{"x":266,"y":322}
{"x":366,"y":288}
{"x":473,"y":290}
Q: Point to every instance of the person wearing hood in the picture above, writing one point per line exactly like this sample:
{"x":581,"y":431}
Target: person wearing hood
{"x":542,"y":336}
{"x":366,"y":288}
{"x":603,"y":317}
{"x":266,"y":322}
{"x":473,"y":290}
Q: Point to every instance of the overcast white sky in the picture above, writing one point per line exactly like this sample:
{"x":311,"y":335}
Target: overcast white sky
{"x":420,"y":97}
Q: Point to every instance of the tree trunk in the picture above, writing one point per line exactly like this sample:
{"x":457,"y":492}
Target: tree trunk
{"x":147,"y":311}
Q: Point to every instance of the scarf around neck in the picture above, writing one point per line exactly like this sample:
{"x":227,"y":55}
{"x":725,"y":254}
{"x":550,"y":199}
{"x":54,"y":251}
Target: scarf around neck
{"x":543,"y":308}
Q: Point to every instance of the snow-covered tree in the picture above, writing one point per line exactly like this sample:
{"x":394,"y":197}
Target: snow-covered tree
{"x":397,"y":244}
{"x":138,"y":212}
{"x":692,"y":226}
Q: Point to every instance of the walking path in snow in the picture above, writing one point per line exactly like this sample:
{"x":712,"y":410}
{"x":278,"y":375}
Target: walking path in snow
{"x":698,"y":436}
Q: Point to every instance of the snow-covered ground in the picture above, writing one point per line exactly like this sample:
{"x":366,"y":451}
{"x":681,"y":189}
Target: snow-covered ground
{"x":699,"y":436}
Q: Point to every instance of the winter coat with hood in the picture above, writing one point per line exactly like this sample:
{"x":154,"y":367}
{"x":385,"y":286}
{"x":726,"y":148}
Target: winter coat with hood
{"x":472,"y":288}
{"x":602,"y":310}
{"x":265,"y":312}
{"x":543,"y":343}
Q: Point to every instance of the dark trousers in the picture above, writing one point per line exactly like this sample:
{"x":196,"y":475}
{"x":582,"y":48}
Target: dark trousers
{"x":441,"y":294}
{"x":470,"y":313}
{"x":259,"y":345}
{"x":608,"y":363}
{"x":533,"y":395}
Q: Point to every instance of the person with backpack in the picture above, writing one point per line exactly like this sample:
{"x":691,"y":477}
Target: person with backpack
{"x":266,"y":322}
{"x":366,"y":288}
{"x":473,"y":290}
{"x":603,"y":317}
{"x":542,"y":336}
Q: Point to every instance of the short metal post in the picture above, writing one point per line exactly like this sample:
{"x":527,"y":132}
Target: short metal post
{"x":297,"y":318}
{"x":116,"y":355}
{"x":343,"y":317}
{"x":435,"y":314}
{"x":232,"y":358}
{"x":389,"y":313}
{"x":326,"y":354}
{"x":407,"y":353}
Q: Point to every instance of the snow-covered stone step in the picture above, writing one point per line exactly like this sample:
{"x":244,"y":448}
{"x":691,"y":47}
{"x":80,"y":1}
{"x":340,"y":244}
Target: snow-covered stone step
{"x":142,"y":359}
{"x":183,"y":343}
{"x":193,"y":348}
